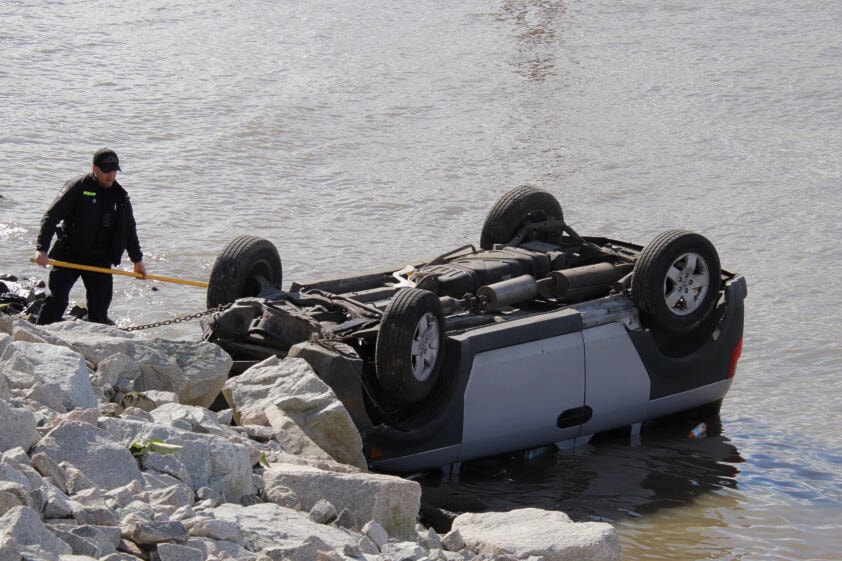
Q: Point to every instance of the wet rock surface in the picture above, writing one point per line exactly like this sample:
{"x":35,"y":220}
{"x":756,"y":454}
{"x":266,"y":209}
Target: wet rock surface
{"x":20,"y":295}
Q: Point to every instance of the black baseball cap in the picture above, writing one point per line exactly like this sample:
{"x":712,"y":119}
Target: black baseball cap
{"x":106,"y":160}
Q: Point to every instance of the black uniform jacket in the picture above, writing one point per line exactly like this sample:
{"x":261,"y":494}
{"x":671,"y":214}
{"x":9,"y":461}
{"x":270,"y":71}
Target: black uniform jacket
{"x":97,"y":224}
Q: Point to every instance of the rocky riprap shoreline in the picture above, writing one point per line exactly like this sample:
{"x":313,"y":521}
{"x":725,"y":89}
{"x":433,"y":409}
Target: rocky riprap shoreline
{"x":108,"y":451}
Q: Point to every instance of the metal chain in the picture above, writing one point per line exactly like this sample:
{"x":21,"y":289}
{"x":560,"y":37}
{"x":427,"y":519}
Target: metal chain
{"x":178,"y":319}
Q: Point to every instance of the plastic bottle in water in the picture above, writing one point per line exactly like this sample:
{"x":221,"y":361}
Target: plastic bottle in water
{"x":698,"y":431}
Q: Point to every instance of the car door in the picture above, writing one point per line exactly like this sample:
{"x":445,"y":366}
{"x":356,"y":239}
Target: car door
{"x":617,"y":383}
{"x":527,"y":389}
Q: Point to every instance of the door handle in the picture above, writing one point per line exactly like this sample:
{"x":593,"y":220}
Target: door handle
{"x":574,"y":417}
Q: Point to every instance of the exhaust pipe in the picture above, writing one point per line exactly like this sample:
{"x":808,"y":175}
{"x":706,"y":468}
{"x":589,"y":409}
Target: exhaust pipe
{"x":505,"y":293}
{"x":587,"y":281}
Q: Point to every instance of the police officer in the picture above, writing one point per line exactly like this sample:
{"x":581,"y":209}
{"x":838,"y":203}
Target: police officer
{"x":97,"y":226}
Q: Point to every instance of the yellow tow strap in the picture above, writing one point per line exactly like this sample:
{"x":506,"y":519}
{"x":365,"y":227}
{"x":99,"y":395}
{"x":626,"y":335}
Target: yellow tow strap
{"x":93,"y":269}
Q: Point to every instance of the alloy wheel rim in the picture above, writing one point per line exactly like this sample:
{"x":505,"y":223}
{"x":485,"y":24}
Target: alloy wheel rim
{"x":425,"y":347}
{"x":686,"y":283}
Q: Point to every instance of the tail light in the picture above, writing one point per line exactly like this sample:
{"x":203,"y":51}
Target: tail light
{"x":735,"y":356}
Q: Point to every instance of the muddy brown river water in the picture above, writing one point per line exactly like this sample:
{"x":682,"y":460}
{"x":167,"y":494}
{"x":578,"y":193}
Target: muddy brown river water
{"x":364,"y":135}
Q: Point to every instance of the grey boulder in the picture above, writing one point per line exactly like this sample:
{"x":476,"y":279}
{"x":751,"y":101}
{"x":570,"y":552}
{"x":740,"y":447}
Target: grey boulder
{"x":391,"y":501}
{"x":529,"y":532}
{"x":51,"y":365}
{"x":17,"y":427}
{"x":104,"y":461}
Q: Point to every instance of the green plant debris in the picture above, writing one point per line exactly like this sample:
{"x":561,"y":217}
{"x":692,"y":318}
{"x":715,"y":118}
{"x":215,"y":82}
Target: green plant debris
{"x":145,"y":445}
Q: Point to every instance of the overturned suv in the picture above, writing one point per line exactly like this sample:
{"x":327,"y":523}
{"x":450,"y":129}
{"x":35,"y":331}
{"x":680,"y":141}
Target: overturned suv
{"x":539,"y":336}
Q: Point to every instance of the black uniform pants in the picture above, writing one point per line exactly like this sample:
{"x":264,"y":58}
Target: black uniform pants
{"x":98,"y":287}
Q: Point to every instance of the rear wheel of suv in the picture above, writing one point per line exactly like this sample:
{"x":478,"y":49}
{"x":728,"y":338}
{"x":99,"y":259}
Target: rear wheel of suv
{"x":409,"y":347}
{"x":243,"y":268}
{"x":676,"y":281}
{"x":519,"y":207}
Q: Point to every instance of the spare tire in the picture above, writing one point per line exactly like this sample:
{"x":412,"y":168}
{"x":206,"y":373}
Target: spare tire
{"x":676,"y":281}
{"x":520,"y":206}
{"x":410,"y":346}
{"x":243,"y":268}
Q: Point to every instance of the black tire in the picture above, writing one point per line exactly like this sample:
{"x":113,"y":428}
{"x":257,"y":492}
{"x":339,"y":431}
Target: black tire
{"x":410,"y":346}
{"x":516,"y":208}
{"x":676,"y":281}
{"x":246,"y":265}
